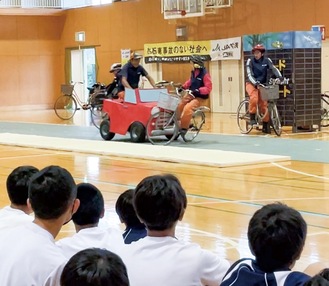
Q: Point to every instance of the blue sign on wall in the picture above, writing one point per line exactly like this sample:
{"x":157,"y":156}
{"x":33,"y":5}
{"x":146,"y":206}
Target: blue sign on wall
{"x":284,"y":40}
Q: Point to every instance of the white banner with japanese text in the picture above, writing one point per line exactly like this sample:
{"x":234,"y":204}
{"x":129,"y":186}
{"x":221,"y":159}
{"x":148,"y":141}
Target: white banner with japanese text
{"x":226,"y":49}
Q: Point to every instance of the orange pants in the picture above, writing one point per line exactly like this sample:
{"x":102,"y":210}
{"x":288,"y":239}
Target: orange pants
{"x":186,"y":108}
{"x":255,"y":99}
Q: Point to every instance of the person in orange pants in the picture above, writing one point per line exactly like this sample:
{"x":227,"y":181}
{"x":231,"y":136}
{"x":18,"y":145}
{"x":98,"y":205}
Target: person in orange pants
{"x":257,"y":73}
{"x":254,"y":99}
{"x":200,"y":85}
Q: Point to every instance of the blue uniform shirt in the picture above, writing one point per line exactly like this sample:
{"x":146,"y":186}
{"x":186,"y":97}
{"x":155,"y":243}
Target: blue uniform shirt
{"x":245,"y":272}
{"x":132,"y":74}
{"x":133,"y":234}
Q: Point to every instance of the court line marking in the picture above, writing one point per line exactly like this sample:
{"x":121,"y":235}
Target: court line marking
{"x":37,"y":155}
{"x":249,"y":201}
{"x":299,"y":172}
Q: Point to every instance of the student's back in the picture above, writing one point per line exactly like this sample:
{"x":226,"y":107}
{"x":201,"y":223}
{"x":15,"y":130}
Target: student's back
{"x":165,"y":261}
{"x":160,"y":258}
{"x":276,"y":235}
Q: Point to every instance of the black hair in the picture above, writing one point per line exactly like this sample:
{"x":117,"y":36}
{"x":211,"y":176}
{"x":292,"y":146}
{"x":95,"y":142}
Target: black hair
{"x":51,"y":191}
{"x":276,"y":235}
{"x":94,"y":266}
{"x":18,"y":184}
{"x":91,"y":205}
{"x":125,"y":209}
{"x":159,"y":201}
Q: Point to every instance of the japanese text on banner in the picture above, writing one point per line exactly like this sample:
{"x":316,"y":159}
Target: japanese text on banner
{"x":176,"y":51}
{"x":226,"y":49}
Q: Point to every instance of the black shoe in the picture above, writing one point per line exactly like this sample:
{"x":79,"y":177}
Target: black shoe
{"x":266,"y":128}
{"x":182,"y":131}
{"x":253,"y":119}
{"x":253,"y":122}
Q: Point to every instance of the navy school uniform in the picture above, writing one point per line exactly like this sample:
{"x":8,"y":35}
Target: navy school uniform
{"x":245,"y":272}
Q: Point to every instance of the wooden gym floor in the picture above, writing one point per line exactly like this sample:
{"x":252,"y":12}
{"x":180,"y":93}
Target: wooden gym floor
{"x":220,"y":200}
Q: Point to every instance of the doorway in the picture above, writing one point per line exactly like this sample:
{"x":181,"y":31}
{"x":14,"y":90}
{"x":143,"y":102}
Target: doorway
{"x":83,"y":69}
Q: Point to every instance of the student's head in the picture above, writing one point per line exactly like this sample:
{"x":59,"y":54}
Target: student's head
{"x":258,"y":51}
{"x":91,"y":207}
{"x":321,"y":279}
{"x":276,"y":235}
{"x":96,"y":267}
{"x":160,"y":201}
{"x":125,"y":209}
{"x":18,"y":184}
{"x":52,"y":193}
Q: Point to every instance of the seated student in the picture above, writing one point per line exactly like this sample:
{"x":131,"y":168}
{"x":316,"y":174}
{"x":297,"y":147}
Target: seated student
{"x":86,"y":220}
{"x":29,"y":255}
{"x":320,"y":279}
{"x":135,"y":230}
{"x":96,"y":267}
{"x":276,"y":235}
{"x":18,"y":211}
{"x":160,"y":258}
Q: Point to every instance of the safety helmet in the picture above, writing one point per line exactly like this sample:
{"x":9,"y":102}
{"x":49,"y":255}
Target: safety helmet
{"x":197,"y":61}
{"x":258,"y":47}
{"x":115,"y":67}
{"x":135,"y":56}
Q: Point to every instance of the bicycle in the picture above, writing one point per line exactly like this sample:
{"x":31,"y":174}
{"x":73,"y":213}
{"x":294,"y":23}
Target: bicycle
{"x":66,"y":105}
{"x":325,"y":109}
{"x":269,"y":93}
{"x":163,"y":125}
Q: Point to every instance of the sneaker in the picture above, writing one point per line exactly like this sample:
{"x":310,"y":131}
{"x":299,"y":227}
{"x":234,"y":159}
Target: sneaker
{"x":266,"y":128}
{"x":253,"y":122}
{"x":182,"y":131}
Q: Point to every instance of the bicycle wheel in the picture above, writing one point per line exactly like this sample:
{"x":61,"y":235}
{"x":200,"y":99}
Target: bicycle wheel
{"x":243,"y":117}
{"x":324,"y":112}
{"x":162,"y":128}
{"x":198,"y":119}
{"x":275,"y":119}
{"x":97,"y":114}
{"x":65,"y":107}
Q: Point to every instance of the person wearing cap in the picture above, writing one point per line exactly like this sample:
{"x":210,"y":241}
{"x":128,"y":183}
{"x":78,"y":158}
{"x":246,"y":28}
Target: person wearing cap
{"x":113,"y":88}
{"x":200,"y":84}
{"x":131,"y":73}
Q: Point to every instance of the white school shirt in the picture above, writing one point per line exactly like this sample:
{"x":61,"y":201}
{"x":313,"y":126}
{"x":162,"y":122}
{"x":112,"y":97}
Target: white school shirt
{"x":165,"y":261}
{"x":29,"y":256}
{"x":109,"y":238}
{"x":10,"y":217}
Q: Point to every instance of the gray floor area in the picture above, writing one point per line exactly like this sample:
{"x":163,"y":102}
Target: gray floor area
{"x":300,"y":150}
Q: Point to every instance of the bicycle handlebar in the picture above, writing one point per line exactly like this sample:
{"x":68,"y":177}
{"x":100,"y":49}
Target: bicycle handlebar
{"x":163,"y":83}
{"x":75,"y":82}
